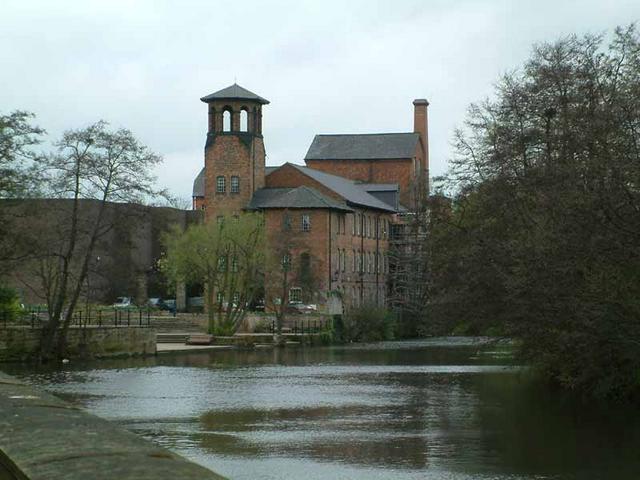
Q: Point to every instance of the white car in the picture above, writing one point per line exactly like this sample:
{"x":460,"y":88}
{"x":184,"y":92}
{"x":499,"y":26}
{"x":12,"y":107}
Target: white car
{"x":123,"y":302}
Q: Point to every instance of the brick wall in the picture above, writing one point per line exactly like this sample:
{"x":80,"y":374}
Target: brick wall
{"x":227,"y":155}
{"x":398,"y":171}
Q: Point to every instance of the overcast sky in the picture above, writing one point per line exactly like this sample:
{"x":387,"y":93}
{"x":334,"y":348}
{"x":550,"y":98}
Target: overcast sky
{"x":326,"y":66}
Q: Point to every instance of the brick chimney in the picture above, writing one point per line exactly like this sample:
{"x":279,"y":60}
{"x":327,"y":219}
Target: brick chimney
{"x":421,"y":127}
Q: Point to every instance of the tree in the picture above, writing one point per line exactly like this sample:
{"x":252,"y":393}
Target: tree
{"x":543,"y":237}
{"x":289,"y":264}
{"x":17,"y":137}
{"x":17,"y":179}
{"x":228,"y":258}
{"x":92,"y":163}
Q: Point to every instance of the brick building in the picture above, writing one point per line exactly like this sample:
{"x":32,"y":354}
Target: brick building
{"x":334,"y":215}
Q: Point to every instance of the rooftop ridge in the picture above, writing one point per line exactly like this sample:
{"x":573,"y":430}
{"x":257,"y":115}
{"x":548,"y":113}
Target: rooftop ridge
{"x":363,"y":134}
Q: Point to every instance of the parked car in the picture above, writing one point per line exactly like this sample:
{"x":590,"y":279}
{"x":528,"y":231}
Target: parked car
{"x":257,"y":305}
{"x":155,"y":302}
{"x":299,"y":307}
{"x":169,"y":305}
{"x":124,"y":302}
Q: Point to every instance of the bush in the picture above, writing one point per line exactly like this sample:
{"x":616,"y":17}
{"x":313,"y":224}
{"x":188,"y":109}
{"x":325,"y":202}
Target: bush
{"x":368,"y":324}
{"x":9,"y":304}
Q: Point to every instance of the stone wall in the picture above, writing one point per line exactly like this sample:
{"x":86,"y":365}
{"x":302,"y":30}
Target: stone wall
{"x":21,"y":343}
{"x":43,"y":438}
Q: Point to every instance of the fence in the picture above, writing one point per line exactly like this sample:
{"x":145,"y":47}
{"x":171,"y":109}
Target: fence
{"x":97,"y":317}
{"x":303,"y":326}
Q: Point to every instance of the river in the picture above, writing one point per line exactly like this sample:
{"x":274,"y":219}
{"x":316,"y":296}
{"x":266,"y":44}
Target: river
{"x":452,"y":408}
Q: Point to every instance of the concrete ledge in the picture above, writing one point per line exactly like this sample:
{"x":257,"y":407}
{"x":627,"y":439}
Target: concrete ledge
{"x":43,"y":438}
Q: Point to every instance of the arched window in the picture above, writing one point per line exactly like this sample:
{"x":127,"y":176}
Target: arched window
{"x":226,"y":120}
{"x":244,"y":120}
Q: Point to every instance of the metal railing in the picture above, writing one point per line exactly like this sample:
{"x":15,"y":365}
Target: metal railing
{"x":82,"y":318}
{"x":303,"y":326}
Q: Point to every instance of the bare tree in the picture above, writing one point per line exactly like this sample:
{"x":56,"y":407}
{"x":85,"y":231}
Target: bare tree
{"x":91,"y":163}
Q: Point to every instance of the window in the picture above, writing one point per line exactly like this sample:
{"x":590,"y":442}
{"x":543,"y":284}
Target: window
{"x":286,"y":222}
{"x":235,"y":184}
{"x":358,"y":224}
{"x":286,"y":261}
{"x":226,"y":121}
{"x":244,"y":120}
{"x":369,"y":227}
{"x":354,"y":260}
{"x":306,"y":223}
{"x":295,"y":294}
{"x":222,"y":264}
{"x":220,"y":220}
{"x":234,"y":264}
{"x":344,"y":224}
{"x":221,"y":184}
{"x":353,"y":224}
{"x":236,"y":298}
{"x":344,"y":260}
{"x":219,"y":298}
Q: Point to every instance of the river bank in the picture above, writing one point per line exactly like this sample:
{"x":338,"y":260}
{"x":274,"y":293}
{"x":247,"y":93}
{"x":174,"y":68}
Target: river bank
{"x":454,"y":408}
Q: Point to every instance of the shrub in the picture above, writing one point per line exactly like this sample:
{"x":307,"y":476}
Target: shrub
{"x":9,"y":304}
{"x":368,"y":324}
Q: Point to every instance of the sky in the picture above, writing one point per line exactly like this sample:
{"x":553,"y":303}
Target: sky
{"x":326,"y":66}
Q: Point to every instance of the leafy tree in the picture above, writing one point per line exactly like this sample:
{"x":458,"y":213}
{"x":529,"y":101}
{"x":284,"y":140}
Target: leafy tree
{"x":543,"y":237}
{"x":228,"y":258}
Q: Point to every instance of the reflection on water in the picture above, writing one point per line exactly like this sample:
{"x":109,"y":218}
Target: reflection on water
{"x":443,"y":408}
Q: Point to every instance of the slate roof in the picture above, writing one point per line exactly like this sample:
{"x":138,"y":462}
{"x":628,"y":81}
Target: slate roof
{"x":198,"y":185}
{"x":234,"y":92}
{"x":351,"y":191}
{"x":299,"y":197}
{"x":268,"y":170}
{"x":363,"y":147}
{"x":380,"y":187}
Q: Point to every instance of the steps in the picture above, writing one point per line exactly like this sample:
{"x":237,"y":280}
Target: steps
{"x":172,"y":337}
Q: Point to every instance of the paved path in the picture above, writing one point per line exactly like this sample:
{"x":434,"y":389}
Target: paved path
{"x":181,"y":347}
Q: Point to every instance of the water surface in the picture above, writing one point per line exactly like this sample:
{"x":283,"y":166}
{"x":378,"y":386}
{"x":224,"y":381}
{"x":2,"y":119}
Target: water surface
{"x":433,"y":409}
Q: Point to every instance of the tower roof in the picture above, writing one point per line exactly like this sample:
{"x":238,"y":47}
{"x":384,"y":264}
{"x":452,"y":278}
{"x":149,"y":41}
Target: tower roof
{"x":234,"y":92}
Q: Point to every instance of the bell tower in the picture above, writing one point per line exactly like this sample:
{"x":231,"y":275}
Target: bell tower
{"x":234,"y":154}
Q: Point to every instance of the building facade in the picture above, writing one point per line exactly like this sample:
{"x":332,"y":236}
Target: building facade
{"x":334,"y":215}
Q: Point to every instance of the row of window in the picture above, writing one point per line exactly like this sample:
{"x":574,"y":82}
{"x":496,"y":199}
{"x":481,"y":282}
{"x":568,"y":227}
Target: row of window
{"x":363,"y":225}
{"x":223,"y":261}
{"x":305,"y":222}
{"x":221,"y":184}
{"x":363,"y":262}
{"x":235,"y":298}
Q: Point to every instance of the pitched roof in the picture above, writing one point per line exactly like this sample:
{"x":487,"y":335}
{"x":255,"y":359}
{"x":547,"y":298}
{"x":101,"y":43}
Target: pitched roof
{"x":234,"y":92}
{"x":363,"y":147}
{"x":198,"y":185}
{"x":351,"y":191}
{"x":299,"y":197}
{"x":268,"y":170}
